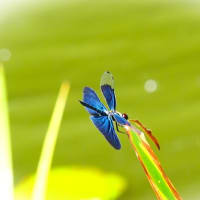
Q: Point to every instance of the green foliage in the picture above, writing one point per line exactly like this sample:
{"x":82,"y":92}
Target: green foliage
{"x":136,"y":41}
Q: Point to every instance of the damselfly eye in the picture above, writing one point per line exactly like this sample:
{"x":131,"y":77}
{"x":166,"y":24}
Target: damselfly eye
{"x":125,"y":116}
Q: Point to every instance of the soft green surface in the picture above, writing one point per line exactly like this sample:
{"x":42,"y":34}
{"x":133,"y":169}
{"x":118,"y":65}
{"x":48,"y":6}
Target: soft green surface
{"x":75,"y":183}
{"x":78,"y":41}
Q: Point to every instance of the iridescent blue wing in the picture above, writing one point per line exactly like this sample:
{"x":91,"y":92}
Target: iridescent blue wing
{"x":107,"y":87}
{"x":105,"y":126}
{"x":90,"y":98}
{"x":120,"y":120}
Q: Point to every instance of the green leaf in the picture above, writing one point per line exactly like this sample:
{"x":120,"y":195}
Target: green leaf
{"x":159,"y":181}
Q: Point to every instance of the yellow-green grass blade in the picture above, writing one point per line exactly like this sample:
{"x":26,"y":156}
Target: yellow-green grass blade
{"x":44,"y":165}
{"x":6,"y":173}
{"x":159,"y":181}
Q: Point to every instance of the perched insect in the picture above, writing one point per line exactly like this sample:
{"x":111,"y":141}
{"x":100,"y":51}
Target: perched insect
{"x":102,"y":117}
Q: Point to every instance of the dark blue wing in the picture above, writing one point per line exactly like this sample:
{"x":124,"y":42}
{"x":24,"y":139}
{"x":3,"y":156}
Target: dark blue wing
{"x":120,"y":120}
{"x":107,"y":87}
{"x":105,"y":126}
{"x":90,"y":98}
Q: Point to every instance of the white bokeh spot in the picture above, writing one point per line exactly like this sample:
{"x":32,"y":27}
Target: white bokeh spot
{"x":150,"y":86}
{"x":5,"y":55}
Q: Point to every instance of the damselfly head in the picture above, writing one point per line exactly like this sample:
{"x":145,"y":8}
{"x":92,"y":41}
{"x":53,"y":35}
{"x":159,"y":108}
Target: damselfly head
{"x":125,"y":116}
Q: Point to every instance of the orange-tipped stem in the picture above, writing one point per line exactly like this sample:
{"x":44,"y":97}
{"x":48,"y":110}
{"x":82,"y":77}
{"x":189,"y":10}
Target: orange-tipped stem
{"x":147,"y":131}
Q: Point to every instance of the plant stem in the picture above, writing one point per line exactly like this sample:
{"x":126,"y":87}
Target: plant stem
{"x":6,"y":172}
{"x":39,"y":191}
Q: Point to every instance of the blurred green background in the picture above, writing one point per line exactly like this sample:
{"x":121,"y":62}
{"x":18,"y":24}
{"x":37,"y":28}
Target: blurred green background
{"x":77,"y":41}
